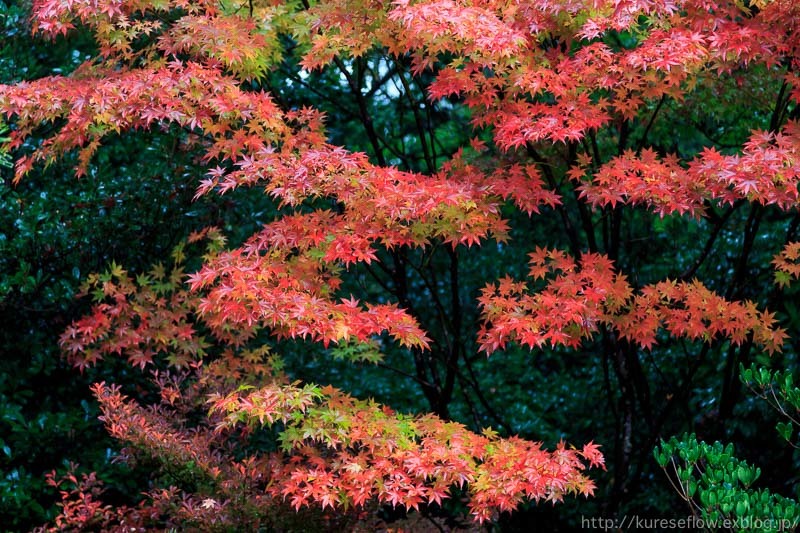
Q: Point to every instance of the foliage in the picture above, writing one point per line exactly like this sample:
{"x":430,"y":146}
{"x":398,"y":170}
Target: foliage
{"x":778,"y":389}
{"x":786,"y":267}
{"x":5,"y":160}
{"x":718,"y":487}
{"x":53,"y":232}
{"x":716,"y":484}
{"x":366,"y":450}
{"x":410,"y":155}
{"x":582,"y":298}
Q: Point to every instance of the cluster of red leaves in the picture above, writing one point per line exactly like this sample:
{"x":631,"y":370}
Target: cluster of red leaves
{"x":284,"y":276}
{"x":345,"y":451}
{"x":523,"y":185}
{"x":226,"y":490}
{"x":786,"y":266}
{"x":459,"y":27}
{"x":337,"y":451}
{"x":530,"y":93}
{"x":381,"y":204}
{"x":766,"y":172}
{"x":58,"y":17}
{"x":691,"y":310}
{"x":526,"y":91}
{"x":203,"y":32}
{"x":237,"y":43}
{"x":151,"y":430}
{"x":80,"y":503}
{"x":578,"y":298}
{"x":217,"y":484}
{"x":288,"y":288}
{"x":293,"y":298}
{"x":581,"y":296}
{"x":140,"y":320}
{"x":103,"y":101}
{"x":162,"y":509}
{"x":174,"y":433}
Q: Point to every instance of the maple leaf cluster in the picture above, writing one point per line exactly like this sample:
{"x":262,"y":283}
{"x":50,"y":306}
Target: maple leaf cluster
{"x":365,"y":451}
{"x":765,"y":172}
{"x":369,"y":453}
{"x":139,"y":320}
{"x":787,"y":268}
{"x":582,"y":296}
{"x":337,"y":451}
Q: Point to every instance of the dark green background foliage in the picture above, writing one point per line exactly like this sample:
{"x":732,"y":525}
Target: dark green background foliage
{"x":135,"y":204}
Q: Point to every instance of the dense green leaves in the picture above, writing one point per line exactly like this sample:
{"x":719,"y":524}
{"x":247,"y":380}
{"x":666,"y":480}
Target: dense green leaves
{"x":719,"y":487}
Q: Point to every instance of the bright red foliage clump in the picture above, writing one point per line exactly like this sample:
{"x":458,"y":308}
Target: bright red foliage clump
{"x":582,"y":297}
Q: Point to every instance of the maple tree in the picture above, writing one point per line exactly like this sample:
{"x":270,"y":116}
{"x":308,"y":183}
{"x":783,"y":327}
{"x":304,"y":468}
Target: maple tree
{"x":563,"y":98}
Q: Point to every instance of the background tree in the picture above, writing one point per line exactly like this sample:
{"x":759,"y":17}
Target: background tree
{"x":641,"y":153}
{"x":54,"y":231}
